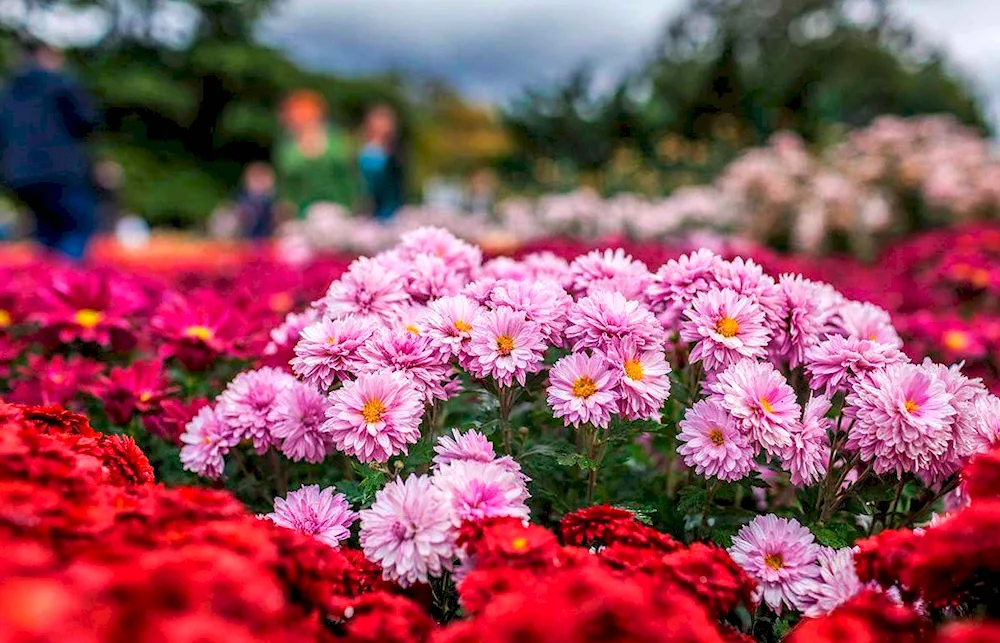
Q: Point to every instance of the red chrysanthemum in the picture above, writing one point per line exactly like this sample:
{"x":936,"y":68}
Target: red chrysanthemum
{"x":138,"y":388}
{"x":869,"y":617}
{"x":197,"y":329}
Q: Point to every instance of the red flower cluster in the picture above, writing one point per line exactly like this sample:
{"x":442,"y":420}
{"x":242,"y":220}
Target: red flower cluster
{"x":869,"y":617}
{"x":94,"y":550}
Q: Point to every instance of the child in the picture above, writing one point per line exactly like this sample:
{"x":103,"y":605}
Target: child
{"x":255,"y":201}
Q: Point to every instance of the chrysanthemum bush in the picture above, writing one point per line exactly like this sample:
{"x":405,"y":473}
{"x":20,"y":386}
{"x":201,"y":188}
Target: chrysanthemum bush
{"x":568,"y":450}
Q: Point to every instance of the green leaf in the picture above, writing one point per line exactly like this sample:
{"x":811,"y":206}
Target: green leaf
{"x":576,"y":460}
{"x":837,"y":535}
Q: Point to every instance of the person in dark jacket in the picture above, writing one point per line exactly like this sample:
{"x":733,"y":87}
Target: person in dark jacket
{"x":45,"y":118}
{"x":380,"y":164}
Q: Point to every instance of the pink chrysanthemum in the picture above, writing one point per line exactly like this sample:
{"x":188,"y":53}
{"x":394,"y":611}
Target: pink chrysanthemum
{"x":327,"y":350}
{"x":505,"y":269}
{"x":808,"y":457}
{"x":542,"y":302}
{"x":285,"y":336}
{"x":902,"y":418}
{"x":747,"y":278}
{"x":711,"y":442}
{"x":369,"y":290}
{"x":758,"y":396}
{"x":811,"y":307}
{"x":320,"y":513}
{"x":477,"y":490}
{"x":430,"y":277}
{"x":376,"y":416}
{"x":582,"y":390}
{"x":471,"y":445}
{"x":726,"y":327}
{"x":548,"y":266}
{"x":450,"y":320}
{"x":597,"y":265}
{"x":480,"y":289}
{"x":599,"y":320}
{"x":205,"y":443}
{"x":245,"y":406}
{"x":780,"y":554}
{"x":414,"y":355}
{"x":868,"y":321}
{"x":409,"y":531}
{"x":462,"y":258}
{"x":504,"y":346}
{"x":632,"y":289}
{"x":678,"y":282}
{"x":296,"y":421}
{"x":643,"y":380}
{"x":836,"y":362}
{"x":836,"y":583}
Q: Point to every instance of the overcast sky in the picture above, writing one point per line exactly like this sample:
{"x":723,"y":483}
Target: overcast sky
{"x":493,"y":48}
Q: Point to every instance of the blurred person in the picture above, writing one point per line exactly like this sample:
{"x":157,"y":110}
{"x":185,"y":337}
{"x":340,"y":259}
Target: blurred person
{"x":379,"y":162}
{"x":315,"y":162}
{"x":109,"y":178}
{"x":45,"y":119}
{"x":481,"y":194}
{"x":255,"y":201}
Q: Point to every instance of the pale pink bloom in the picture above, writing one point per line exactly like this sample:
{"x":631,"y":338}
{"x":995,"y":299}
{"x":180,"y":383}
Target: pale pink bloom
{"x":643,"y":380}
{"x":542,"y":302}
{"x":480,"y":289}
{"x":597,"y":265}
{"x":408,"y":531}
{"x":461,"y":258}
{"x":287,"y":334}
{"x":808,"y":457}
{"x":678,"y":281}
{"x":506,"y":269}
{"x":711,"y":442}
{"x":749,"y":279}
{"x":902,"y":418}
{"x":328,"y":350}
{"x":811,"y":309}
{"x":376,"y":416}
{"x":245,"y":407}
{"x":450,"y":320}
{"x":582,"y":390}
{"x":836,"y":362}
{"x":422,"y":361}
{"x":476,"y":490}
{"x":781,"y":555}
{"x":316,"y":512}
{"x":430,"y":277}
{"x":969,"y":434}
{"x":471,"y":445}
{"x":206,"y":441}
{"x":369,"y":290}
{"x":631,"y":288}
{"x":836,"y":583}
{"x":726,"y":328}
{"x":599,"y":320}
{"x":504,"y":346}
{"x":548,"y":266}
{"x":296,"y":423}
{"x":758,"y":396}
{"x":868,"y":321}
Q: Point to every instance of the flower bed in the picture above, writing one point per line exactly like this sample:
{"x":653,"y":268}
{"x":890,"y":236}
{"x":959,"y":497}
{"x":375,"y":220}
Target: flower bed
{"x":428,"y":446}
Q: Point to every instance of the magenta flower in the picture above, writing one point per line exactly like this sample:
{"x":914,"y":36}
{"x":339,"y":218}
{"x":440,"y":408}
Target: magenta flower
{"x":643,"y":380}
{"x":369,"y":290}
{"x":599,"y":320}
{"x":868,"y":321}
{"x":711,"y":442}
{"x":245,"y":407}
{"x":505,"y":346}
{"x":138,"y":388}
{"x":808,"y":457}
{"x":836,"y":583}
{"x":902,"y":418}
{"x":836,"y":362}
{"x":678,"y":282}
{"x":449,"y":322}
{"x":88,"y":305}
{"x":726,"y":328}
{"x":582,"y":390}
{"x":409,"y":531}
{"x":296,"y":423}
{"x":811,"y":308}
{"x":471,"y":445}
{"x":327,"y":351}
{"x":542,"y":302}
{"x":316,"y":512}
{"x":781,"y":555}
{"x":597,"y":265}
{"x":198,"y":329}
{"x":760,"y":399}
{"x":376,"y":416}
{"x":205,"y":443}
{"x":477,"y":490}
{"x":414,"y":355}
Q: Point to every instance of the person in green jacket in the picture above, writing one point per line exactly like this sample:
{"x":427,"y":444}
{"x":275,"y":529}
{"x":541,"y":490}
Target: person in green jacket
{"x":315,"y":162}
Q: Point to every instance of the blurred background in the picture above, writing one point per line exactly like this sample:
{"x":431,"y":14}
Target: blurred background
{"x":477,"y":101}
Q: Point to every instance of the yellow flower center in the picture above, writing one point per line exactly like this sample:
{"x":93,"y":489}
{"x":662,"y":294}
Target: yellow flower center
{"x":280,"y":302}
{"x":873,"y":337}
{"x":412,"y":328}
{"x":715,"y":435}
{"x":199,"y":332}
{"x":461,"y":326}
{"x":519,"y":544}
{"x":766,"y":405}
{"x":774,"y":561}
{"x":505,"y":344}
{"x":372,"y":411}
{"x":727,"y":327}
{"x":88,"y":318}
{"x":5,"y":318}
{"x":633,"y":369}
{"x":331,"y":341}
{"x":584,"y":387}
{"x":911,"y":406}
{"x":145,"y":397}
{"x":980,"y":278}
{"x":956,"y":340}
